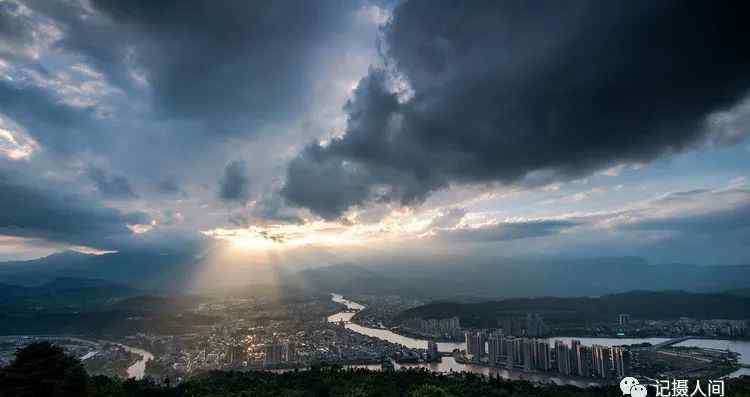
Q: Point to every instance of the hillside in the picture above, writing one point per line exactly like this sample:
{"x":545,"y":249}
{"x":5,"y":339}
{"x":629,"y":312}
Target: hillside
{"x":89,"y":306}
{"x":142,"y":269}
{"x":639,"y":304}
{"x":65,"y":293}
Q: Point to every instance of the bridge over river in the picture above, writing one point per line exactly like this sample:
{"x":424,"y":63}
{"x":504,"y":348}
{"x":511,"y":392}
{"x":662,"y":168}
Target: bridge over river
{"x":673,"y":342}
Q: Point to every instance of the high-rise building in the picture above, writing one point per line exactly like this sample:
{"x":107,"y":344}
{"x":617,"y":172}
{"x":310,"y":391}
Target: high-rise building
{"x":494,"y":348}
{"x":608,"y":367}
{"x":543,"y":356}
{"x":441,"y":328}
{"x":291,"y":352}
{"x":432,"y":350}
{"x":535,"y":326}
{"x":576,"y":365}
{"x":235,"y":354}
{"x":274,"y":353}
{"x":586,"y":363}
{"x":508,"y":346}
{"x":623,"y":319}
{"x":517,"y":352}
{"x":528,"y":348}
{"x":512,"y":326}
{"x":475,"y":344}
{"x":601,"y":361}
{"x":620,"y":362}
{"x":562,"y":358}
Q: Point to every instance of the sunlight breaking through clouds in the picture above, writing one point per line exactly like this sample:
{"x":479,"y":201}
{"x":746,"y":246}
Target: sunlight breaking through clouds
{"x":14,"y":144}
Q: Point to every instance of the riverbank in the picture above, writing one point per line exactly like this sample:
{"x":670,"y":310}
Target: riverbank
{"x":461,"y":358}
{"x":414,"y":334}
{"x":135,"y":370}
{"x":449,"y":364}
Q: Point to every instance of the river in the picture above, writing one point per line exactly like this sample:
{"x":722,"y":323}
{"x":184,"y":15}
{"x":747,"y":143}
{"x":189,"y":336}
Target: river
{"x":136,"y":370}
{"x":139,"y":368}
{"x":449,"y":364}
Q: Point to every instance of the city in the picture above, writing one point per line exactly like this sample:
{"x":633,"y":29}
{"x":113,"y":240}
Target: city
{"x":260,"y":334}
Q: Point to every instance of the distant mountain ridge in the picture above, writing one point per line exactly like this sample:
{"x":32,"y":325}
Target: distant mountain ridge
{"x":456,"y":278}
{"x":638,"y":304}
{"x":65,"y":293}
{"x":508,"y":278}
{"x":65,"y":284}
{"x":142,"y":269}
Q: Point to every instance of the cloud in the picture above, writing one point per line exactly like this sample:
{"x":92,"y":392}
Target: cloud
{"x":235,"y":184}
{"x":50,"y":213}
{"x":449,"y":218}
{"x":272,"y":207}
{"x":55,"y":125}
{"x":22,"y":33}
{"x":696,"y":212}
{"x":234,"y":65}
{"x":111,"y":186}
{"x":15,"y":29}
{"x":522,"y":93}
{"x":169,"y":185}
{"x":504,"y":231}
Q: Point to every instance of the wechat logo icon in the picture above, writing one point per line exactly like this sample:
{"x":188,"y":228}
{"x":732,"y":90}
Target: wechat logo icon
{"x":626,"y":385}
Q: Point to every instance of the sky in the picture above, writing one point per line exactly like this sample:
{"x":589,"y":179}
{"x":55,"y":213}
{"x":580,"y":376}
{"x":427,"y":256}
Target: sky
{"x":324,"y":131}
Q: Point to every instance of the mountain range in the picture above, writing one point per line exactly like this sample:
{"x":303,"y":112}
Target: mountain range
{"x":448,"y":278}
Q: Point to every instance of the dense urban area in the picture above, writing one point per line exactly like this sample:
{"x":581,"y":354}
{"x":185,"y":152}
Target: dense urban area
{"x":253,"y":333}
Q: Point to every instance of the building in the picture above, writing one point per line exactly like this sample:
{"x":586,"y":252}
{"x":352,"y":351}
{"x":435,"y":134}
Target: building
{"x":623,"y":319}
{"x":449,"y":328}
{"x":517,"y":352}
{"x":528,"y":354}
{"x":275,"y":353}
{"x":291,"y":353}
{"x":562,"y":358}
{"x":535,"y":326}
{"x":236,"y":354}
{"x":386,"y":365}
{"x":495,"y":343}
{"x":620,"y":362}
{"x":509,"y":345}
{"x":475,"y":344}
{"x":601,"y":362}
{"x":512,"y":326}
{"x":576,"y":353}
{"x":432,"y":351}
{"x":543,"y":356}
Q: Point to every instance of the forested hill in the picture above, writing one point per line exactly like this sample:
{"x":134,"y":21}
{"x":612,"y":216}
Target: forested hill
{"x":639,"y":304}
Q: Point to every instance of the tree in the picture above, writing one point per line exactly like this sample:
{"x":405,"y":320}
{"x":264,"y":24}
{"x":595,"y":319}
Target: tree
{"x":429,"y":391}
{"x":43,"y":369}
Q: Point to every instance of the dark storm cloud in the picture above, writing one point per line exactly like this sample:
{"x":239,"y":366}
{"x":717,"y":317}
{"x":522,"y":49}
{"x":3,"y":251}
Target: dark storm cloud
{"x":169,"y":185}
{"x":111,"y":186}
{"x":235,"y":184}
{"x":513,"y":91}
{"x":272,"y":207}
{"x":505,"y":231}
{"x":232,"y":64}
{"x":53,"y":124}
{"x":29,"y":210}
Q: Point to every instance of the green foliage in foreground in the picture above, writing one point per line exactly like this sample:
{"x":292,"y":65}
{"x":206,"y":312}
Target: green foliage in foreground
{"x":43,"y":370}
